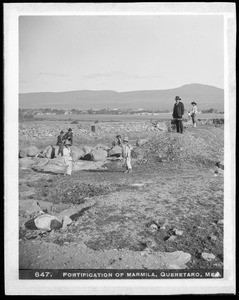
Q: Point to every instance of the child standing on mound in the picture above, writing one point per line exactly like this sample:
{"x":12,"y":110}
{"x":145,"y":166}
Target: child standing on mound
{"x":126,"y":147}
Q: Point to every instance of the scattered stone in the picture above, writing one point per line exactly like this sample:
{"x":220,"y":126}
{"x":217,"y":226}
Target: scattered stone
{"x":171,"y":238}
{"x":29,"y":206}
{"x":46,"y":206}
{"x":220,"y":222}
{"x":141,"y":142}
{"x":212,"y":238}
{"x":153,"y":227}
{"x":138,"y":184}
{"x":208,"y":256}
{"x":220,"y":165}
{"x":177,"y":232}
{"x":179,"y":259}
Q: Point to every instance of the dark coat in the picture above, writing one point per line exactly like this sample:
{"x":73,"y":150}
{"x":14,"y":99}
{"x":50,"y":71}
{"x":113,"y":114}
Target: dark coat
{"x":60,"y":139}
{"x":178,"y":110}
{"x":68,"y":137}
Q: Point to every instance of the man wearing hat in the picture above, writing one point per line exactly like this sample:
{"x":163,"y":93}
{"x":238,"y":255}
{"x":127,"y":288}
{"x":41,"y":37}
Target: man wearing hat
{"x":68,"y":137}
{"x":178,"y":112}
{"x":60,"y":142}
{"x":194,"y":113}
{"x":126,"y":150}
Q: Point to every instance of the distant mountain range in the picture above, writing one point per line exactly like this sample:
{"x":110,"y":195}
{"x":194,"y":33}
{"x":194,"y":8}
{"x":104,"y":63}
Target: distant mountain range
{"x":206,"y":97}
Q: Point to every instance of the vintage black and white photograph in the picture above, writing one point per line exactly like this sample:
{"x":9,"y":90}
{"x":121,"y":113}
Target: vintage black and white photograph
{"x":123,"y":146}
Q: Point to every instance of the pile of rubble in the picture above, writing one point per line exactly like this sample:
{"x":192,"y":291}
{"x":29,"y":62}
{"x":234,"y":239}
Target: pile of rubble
{"x":201,"y":148}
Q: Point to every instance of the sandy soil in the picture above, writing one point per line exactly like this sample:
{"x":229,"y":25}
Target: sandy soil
{"x":114,"y":229}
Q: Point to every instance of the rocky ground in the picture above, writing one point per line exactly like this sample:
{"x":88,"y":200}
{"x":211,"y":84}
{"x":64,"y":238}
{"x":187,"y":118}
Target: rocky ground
{"x":167,"y":214}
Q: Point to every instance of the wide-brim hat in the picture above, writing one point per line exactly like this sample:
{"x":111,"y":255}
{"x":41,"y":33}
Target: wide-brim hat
{"x":126,"y":139}
{"x":177,"y":98}
{"x":193,"y":103}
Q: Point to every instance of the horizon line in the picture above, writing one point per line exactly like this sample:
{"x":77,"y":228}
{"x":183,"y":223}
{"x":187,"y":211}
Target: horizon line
{"x":122,"y":91}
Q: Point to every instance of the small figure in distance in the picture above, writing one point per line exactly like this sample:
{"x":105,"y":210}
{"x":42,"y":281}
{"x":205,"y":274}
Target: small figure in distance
{"x":126,"y":150}
{"x":67,"y":158}
{"x":68,"y":137}
{"x":118,"y":141}
{"x":194,"y":113}
{"x":60,"y":142}
{"x":178,"y":112}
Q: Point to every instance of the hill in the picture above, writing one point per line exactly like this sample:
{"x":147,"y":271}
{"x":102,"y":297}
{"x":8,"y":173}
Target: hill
{"x":205,"y":95}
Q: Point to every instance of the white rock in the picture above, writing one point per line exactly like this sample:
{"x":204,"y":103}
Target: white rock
{"x":177,"y":232}
{"x":66,"y":221}
{"x":208,"y":256}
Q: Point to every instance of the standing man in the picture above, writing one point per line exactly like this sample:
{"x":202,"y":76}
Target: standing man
{"x":68,"y":137}
{"x":178,"y":112}
{"x":60,"y":142}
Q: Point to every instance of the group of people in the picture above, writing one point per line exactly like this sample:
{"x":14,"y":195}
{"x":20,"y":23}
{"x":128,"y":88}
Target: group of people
{"x":178,"y":112}
{"x":65,"y":140}
{"x":126,"y":151}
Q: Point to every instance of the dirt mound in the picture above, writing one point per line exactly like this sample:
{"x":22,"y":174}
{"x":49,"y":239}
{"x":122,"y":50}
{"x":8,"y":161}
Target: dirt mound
{"x":197,"y":147}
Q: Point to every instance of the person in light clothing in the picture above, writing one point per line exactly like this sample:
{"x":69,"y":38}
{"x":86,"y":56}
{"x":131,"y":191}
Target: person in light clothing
{"x":67,"y":159}
{"x":126,"y":147}
{"x":194,"y":113}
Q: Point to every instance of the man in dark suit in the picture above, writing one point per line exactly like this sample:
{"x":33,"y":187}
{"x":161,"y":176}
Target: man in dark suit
{"x":68,"y":137}
{"x":178,"y":112}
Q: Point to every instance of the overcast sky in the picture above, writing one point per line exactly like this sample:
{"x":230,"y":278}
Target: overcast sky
{"x":121,"y":53}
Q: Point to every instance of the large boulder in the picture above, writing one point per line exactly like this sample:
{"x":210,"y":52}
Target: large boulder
{"x":101,"y":146}
{"x":87,"y":165}
{"x":23,"y":153}
{"x":77,"y":153}
{"x":32,"y":151}
{"x":59,"y":160}
{"x":115,"y":151}
{"x":141,"y":142}
{"x":44,"y":222}
{"x":28,"y":152}
{"x":26,"y":162}
{"x":87,"y":149}
{"x":29,"y":206}
{"x":99,"y":154}
{"x":57,"y":167}
{"x":48,"y":152}
{"x":56,"y":150}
